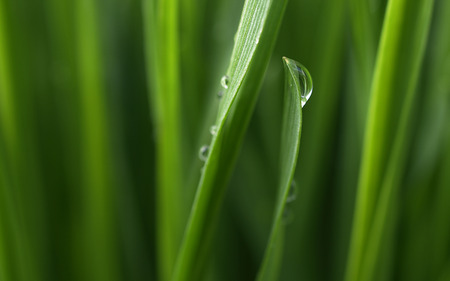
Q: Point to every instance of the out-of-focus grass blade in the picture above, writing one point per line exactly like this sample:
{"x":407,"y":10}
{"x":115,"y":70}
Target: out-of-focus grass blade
{"x":423,"y":225}
{"x":17,"y":258}
{"x":393,"y":86}
{"x":255,"y":39}
{"x":290,"y":143}
{"x":98,"y":257}
{"x":162,"y":54}
{"x":363,"y":35}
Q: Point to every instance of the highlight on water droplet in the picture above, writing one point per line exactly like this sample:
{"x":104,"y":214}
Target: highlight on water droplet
{"x":203,"y":152}
{"x":292,"y":194}
{"x":225,"y":81}
{"x":213,"y":130}
{"x":304,"y":79}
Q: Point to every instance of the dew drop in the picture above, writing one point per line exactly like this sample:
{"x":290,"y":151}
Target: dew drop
{"x":203,"y":152}
{"x":220,"y":94}
{"x":305,"y":80}
{"x":225,"y":81}
{"x":292,"y":194}
{"x":213,"y":130}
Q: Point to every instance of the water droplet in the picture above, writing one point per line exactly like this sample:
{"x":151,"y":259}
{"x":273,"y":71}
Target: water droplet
{"x":225,"y":81}
{"x":203,"y":152}
{"x":220,"y":94}
{"x":213,"y":130}
{"x":304,"y":78}
{"x":292,"y":194}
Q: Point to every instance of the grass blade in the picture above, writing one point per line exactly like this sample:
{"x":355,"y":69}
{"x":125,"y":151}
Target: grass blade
{"x":98,"y":193}
{"x":161,"y":40}
{"x":255,"y":39}
{"x":394,"y":82}
{"x":290,"y":143}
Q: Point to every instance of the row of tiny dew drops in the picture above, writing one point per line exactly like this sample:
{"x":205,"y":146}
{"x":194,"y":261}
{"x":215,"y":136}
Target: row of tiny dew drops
{"x":204,"y":150}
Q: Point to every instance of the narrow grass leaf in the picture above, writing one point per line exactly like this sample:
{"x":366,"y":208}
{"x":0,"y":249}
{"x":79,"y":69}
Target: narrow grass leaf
{"x":162,"y":51}
{"x":98,"y":193}
{"x":254,"y":43}
{"x":393,"y":86}
{"x":290,"y":143}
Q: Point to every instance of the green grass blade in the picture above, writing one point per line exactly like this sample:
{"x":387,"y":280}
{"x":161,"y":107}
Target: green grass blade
{"x":290,"y":144}
{"x":392,"y":180}
{"x":98,"y":194}
{"x":255,"y":39}
{"x":162,"y":51}
{"x":18,"y":256}
{"x":394,"y":83}
{"x":363,"y":37}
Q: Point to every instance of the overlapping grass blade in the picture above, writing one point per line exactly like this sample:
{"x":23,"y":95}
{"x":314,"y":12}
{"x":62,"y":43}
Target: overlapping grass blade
{"x":290,"y":143}
{"x":393,"y":85}
{"x":255,"y":39}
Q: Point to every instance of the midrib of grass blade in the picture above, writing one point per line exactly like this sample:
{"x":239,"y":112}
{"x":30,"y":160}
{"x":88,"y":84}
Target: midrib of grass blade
{"x":387,"y":81}
{"x":162,"y":53}
{"x":255,"y":39}
{"x":290,"y":143}
{"x":98,"y":253}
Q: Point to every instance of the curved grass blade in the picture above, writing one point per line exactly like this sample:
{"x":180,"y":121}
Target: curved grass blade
{"x":254,"y":43}
{"x":295,"y":97}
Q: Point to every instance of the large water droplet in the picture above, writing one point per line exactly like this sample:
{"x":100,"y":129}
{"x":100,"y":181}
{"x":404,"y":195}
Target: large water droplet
{"x":203,"y":152}
{"x":213,"y":130}
{"x":225,"y":81}
{"x":304,"y":78}
{"x":292,"y":194}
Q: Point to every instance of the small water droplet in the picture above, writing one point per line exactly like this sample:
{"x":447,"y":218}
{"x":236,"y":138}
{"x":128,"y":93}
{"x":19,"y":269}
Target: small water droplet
{"x":225,"y":81}
{"x":213,"y":130}
{"x":306,"y":83}
{"x":203,"y":152}
{"x":292,"y":194}
{"x":220,"y":94}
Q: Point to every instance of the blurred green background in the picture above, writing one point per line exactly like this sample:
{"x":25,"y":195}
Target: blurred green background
{"x":78,"y":153}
